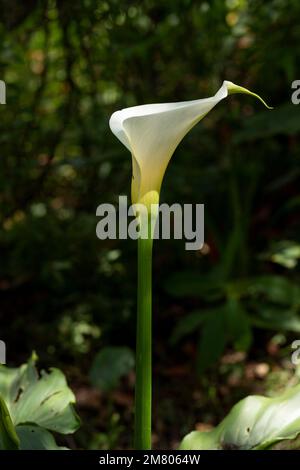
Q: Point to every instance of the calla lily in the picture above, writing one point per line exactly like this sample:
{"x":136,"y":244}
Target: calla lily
{"x":152,"y":132}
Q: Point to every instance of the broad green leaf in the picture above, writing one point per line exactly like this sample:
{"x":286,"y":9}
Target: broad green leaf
{"x":254,"y":423}
{"x":34,"y":437}
{"x":48,"y":403}
{"x":45,"y":400}
{"x":110,"y":365}
{"x":8,"y":437}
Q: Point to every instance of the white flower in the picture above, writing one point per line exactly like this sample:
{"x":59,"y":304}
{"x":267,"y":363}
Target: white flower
{"x":152,"y":132}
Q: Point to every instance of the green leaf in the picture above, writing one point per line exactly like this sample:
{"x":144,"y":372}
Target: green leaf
{"x":188,"y":324}
{"x":193,"y":284}
{"x":34,"y":437}
{"x":109,"y":365}
{"x":45,"y":400}
{"x":254,"y":423}
{"x":48,"y":403}
{"x":238,"y":325}
{"x":272,"y":318}
{"x":275,"y":289}
{"x":273,"y":301}
{"x":8,"y":437}
{"x":12,"y":380}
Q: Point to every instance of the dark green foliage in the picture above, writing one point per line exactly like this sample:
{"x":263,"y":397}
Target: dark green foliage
{"x":68,"y":66}
{"x":109,"y":366}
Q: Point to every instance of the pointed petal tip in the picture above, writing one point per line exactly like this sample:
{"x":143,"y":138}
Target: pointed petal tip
{"x":232,"y":89}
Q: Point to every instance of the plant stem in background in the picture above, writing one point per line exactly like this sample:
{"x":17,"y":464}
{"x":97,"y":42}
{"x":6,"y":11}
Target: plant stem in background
{"x":143,"y":388}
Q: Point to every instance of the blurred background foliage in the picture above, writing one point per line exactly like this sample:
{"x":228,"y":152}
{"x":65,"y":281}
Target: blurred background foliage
{"x":224,"y":317}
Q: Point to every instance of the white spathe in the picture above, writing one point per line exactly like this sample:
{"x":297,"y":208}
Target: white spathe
{"x":152,"y":132}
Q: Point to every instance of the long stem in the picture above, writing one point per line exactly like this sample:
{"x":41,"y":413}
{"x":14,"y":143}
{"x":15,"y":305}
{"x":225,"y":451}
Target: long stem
{"x":143,"y":388}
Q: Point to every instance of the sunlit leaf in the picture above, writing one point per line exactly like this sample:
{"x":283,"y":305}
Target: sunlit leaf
{"x":254,"y":423}
{"x":43,"y":400}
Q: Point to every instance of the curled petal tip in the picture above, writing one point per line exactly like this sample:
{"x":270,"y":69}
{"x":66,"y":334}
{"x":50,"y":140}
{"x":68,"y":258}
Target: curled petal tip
{"x":232,"y":89}
{"x":262,"y":101}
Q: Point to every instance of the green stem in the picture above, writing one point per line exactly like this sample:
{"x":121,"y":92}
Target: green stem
{"x":143,"y":387}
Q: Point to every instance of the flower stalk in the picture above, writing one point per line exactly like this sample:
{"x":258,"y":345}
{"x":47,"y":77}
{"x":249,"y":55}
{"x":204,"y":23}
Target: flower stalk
{"x":143,"y":387}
